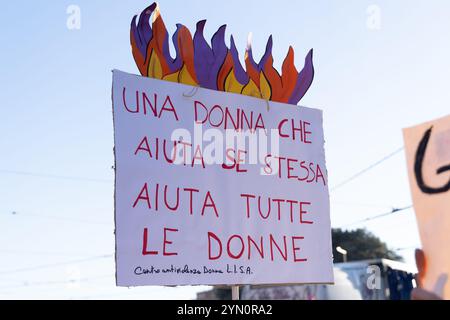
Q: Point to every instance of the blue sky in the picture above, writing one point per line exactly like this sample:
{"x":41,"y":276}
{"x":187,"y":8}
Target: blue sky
{"x":56,"y":120}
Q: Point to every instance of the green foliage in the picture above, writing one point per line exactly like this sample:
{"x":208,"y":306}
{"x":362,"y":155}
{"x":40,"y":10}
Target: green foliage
{"x":360,"y":245}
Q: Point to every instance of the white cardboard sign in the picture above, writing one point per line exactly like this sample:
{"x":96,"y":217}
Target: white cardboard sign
{"x":196,"y":205}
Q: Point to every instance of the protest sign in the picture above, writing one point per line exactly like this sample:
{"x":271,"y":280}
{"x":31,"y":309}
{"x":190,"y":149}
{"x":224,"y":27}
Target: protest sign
{"x":427,"y":149}
{"x":217,"y":188}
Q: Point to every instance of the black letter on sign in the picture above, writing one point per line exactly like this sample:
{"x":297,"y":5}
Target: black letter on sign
{"x":420,"y":155}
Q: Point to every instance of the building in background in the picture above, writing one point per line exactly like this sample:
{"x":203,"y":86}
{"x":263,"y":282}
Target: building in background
{"x":378,"y":279}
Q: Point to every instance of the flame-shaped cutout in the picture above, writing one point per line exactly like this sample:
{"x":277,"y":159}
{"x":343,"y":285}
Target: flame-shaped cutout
{"x":214,"y":67}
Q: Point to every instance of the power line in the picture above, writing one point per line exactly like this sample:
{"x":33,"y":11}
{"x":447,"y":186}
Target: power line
{"x":356,"y":175}
{"x":103,"y":295}
{"x":46,"y":253}
{"x":394,"y":210}
{"x":46,"y":266}
{"x":45,"y":283}
{"x":356,"y":204}
{"x":69,"y":219}
{"x":54,"y":176}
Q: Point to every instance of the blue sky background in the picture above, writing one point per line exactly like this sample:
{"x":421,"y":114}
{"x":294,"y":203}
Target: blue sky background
{"x":55,"y":120}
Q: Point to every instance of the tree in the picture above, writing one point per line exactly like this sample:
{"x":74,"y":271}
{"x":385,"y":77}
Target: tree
{"x":360,"y":245}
